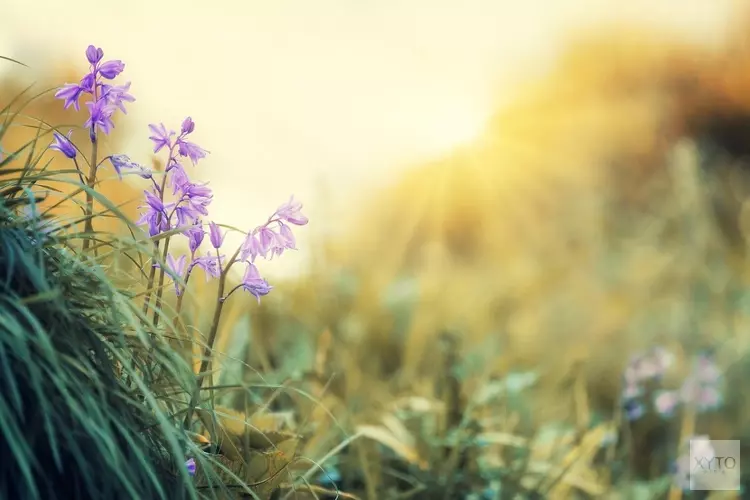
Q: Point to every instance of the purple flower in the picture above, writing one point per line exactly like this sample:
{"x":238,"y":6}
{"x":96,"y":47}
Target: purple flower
{"x":195,"y":236}
{"x":190,"y":464}
{"x":162,"y":138}
{"x":191,"y":150}
{"x":253,"y":283}
{"x":188,"y":125}
{"x":117,"y":95}
{"x":120,"y":162}
{"x":182,"y":211}
{"x":267,"y":239}
{"x":179,"y":177}
{"x":290,"y":212}
{"x":70,"y":92}
{"x":111,"y":69}
{"x":287,"y":237}
{"x":155,"y":215}
{"x":176,"y":267}
{"x":251,"y":248}
{"x":94,"y":55}
{"x":100,"y":115}
{"x":215,"y":235}
{"x":198,"y":197}
{"x":88,"y":83}
{"x":63,"y":145}
{"x":211,"y":264}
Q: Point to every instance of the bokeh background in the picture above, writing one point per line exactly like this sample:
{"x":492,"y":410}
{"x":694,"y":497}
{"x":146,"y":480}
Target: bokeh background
{"x":302,"y":97}
{"x":507,"y":200}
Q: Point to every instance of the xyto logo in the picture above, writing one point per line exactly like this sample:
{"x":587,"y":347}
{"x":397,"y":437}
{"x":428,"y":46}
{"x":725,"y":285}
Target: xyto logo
{"x":714,"y":465}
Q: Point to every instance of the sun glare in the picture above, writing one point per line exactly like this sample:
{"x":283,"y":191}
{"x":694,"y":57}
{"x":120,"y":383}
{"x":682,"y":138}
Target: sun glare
{"x":454,"y":129}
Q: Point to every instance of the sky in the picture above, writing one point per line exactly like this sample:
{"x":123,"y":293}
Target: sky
{"x":295,"y":96}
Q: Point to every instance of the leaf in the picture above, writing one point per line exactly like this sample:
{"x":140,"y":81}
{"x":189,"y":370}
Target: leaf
{"x":386,"y":438}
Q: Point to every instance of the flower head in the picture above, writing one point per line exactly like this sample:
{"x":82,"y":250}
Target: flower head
{"x":191,"y":150}
{"x":251,"y":248}
{"x":121,"y":162}
{"x":190,"y":464}
{"x":155,"y":215}
{"x":161,"y":136}
{"x":63,"y":145}
{"x":188,"y":125}
{"x":177,"y":268}
{"x":100,"y":115}
{"x":70,"y":92}
{"x":195,"y":235}
{"x":290,"y":212}
{"x":94,"y":55}
{"x":111,"y":69}
{"x":117,"y":95}
{"x":211,"y":264}
{"x":253,"y":283}
{"x":216,"y":236}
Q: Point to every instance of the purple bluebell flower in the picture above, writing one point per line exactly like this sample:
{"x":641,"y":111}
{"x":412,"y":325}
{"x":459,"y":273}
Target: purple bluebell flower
{"x":179,"y":177}
{"x":100,"y":115}
{"x":251,"y":248}
{"x":287,"y":237}
{"x":290,"y":212}
{"x":195,"y":235}
{"x":70,"y":92}
{"x":63,"y":145}
{"x":211,"y":264}
{"x":162,"y":138}
{"x":111,"y":69}
{"x":155,"y":215}
{"x":88,"y":83}
{"x":216,"y":236}
{"x":123,"y":162}
{"x":191,"y":150}
{"x":117,"y":95}
{"x":187,"y":126}
{"x":253,"y":283}
{"x":185,"y":212}
{"x":94,"y":55}
{"x":177,"y":268}
{"x":267,"y":239}
{"x":190,"y":464}
{"x":197,"y":196}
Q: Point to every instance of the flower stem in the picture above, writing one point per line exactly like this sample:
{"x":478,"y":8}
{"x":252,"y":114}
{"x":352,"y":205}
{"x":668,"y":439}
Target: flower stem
{"x":206,"y":361}
{"x":152,"y":273}
{"x":88,"y":227}
{"x":160,"y":288}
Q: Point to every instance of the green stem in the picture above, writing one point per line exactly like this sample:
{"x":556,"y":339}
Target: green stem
{"x":88,"y":227}
{"x":206,"y":361}
{"x":152,"y":273}
{"x":160,"y":288}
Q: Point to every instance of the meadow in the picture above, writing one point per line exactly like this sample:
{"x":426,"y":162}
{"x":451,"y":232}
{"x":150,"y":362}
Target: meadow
{"x":552,"y":311}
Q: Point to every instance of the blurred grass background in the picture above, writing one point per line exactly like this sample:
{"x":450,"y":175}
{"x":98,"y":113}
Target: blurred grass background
{"x":487,"y":299}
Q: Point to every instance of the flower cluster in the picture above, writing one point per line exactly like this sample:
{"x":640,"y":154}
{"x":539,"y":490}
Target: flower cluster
{"x":106,"y":98}
{"x":175,"y":203}
{"x":644,"y":373}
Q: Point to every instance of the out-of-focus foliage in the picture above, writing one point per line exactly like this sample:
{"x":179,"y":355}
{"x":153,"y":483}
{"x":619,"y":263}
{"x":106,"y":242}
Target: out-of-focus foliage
{"x":601,"y":213}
